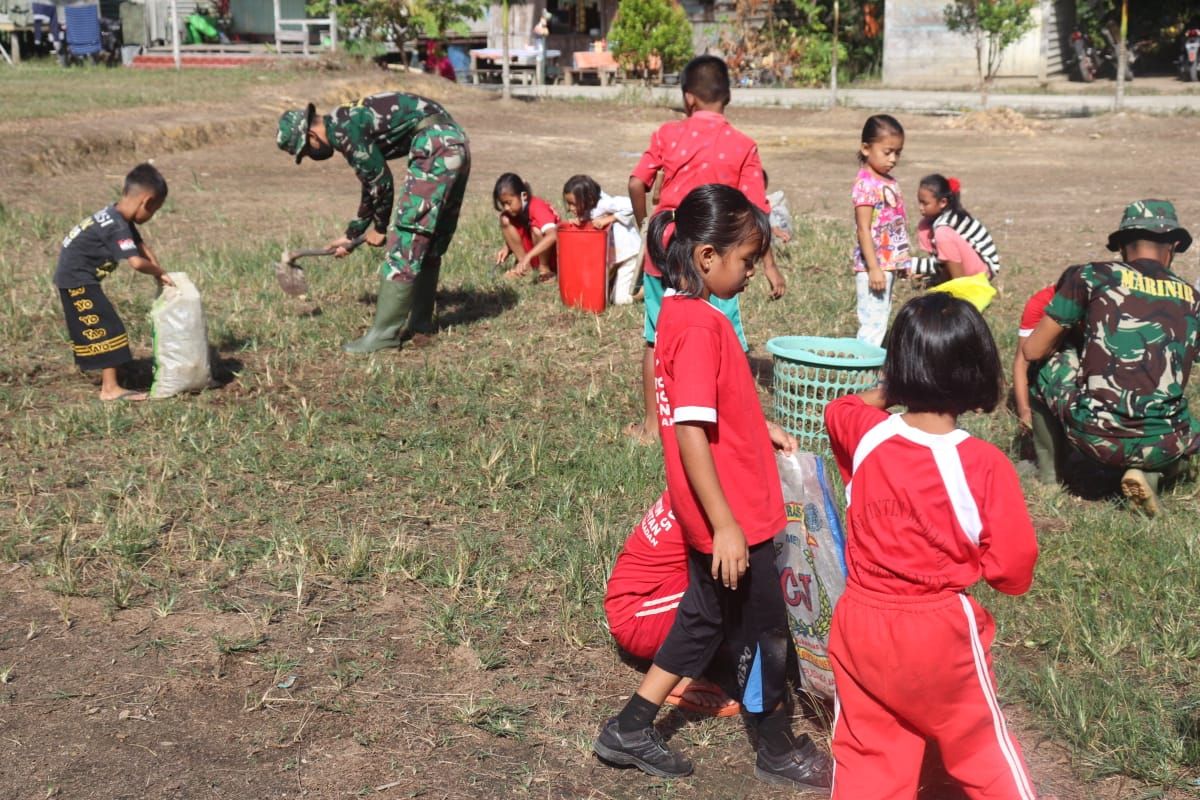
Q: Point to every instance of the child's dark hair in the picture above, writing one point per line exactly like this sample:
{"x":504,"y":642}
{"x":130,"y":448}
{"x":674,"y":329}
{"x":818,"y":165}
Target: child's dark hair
{"x":147,"y":179}
{"x":941,"y":358}
{"x":509,"y":182}
{"x":947,"y":189}
{"x":706,"y":77}
{"x":876,"y":127}
{"x":713,"y":214}
{"x":586,"y":193}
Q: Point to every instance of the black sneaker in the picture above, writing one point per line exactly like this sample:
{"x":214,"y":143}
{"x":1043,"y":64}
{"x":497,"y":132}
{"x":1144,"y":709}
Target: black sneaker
{"x":805,"y":767}
{"x":643,"y":749}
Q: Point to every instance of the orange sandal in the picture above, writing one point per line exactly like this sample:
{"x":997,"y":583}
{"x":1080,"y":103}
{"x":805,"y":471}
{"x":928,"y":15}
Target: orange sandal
{"x":705,"y":698}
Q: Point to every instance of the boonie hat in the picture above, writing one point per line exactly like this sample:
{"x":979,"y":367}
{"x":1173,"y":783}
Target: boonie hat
{"x":1150,"y":219}
{"x":293,"y":131}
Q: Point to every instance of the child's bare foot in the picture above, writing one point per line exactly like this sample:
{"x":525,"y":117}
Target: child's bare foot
{"x":124,"y":394}
{"x":642,"y":434}
{"x":544,"y":275}
{"x":517,"y":272}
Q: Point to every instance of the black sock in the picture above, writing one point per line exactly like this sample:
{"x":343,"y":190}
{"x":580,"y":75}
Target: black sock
{"x":775,"y":731}
{"x":638,"y":713}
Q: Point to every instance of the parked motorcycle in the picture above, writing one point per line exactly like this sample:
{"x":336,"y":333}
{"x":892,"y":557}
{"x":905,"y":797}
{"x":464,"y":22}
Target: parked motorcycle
{"x":1189,"y":59}
{"x":1083,"y":57}
{"x":1109,"y":57}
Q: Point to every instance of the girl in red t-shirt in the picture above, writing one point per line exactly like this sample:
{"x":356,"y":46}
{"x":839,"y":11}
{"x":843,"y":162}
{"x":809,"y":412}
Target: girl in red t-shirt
{"x":725,"y":493}
{"x":529,"y":226}
{"x":930,"y":511}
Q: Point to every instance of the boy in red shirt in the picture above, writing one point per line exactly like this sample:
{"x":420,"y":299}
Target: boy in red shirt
{"x":703,"y":148}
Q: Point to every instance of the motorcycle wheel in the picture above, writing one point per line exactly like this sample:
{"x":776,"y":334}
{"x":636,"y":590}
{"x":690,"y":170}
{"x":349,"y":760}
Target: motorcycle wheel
{"x":1086,"y":70}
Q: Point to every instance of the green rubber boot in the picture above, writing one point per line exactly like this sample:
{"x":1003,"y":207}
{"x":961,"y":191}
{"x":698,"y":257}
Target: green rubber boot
{"x":391,"y":312}
{"x":1048,"y":444}
{"x":424,"y":298}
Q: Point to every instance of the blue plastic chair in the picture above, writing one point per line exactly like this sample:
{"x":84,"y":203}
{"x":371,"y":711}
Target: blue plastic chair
{"x":83,"y":30}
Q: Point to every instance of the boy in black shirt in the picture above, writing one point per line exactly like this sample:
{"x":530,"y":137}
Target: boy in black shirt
{"x":90,"y":252}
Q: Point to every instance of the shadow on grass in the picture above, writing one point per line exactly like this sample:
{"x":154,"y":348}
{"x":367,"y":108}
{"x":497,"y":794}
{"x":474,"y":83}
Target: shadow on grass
{"x":138,"y":374}
{"x":463,"y":306}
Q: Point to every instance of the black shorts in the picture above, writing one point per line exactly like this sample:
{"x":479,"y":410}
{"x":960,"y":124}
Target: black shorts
{"x":97,"y":333}
{"x":751,"y":621}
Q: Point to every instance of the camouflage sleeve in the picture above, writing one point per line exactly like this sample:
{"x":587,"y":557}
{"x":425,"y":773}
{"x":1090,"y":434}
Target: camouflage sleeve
{"x":1071,"y":296}
{"x":378,"y":189}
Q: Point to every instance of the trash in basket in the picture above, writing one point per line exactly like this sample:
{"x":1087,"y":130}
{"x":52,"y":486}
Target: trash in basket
{"x":811,"y":371}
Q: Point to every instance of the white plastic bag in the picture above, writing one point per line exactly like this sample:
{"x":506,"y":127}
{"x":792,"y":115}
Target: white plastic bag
{"x":180,"y":339}
{"x":811,"y":557}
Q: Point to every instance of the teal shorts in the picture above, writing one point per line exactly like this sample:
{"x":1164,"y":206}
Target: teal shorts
{"x":653,"y":289}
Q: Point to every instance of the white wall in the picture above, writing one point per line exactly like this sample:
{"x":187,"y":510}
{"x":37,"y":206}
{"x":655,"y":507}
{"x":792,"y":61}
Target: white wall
{"x":918,"y":49}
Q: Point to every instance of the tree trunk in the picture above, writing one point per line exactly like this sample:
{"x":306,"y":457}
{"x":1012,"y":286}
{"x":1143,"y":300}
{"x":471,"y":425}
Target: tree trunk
{"x":1122,"y":56}
{"x":505,"y":77}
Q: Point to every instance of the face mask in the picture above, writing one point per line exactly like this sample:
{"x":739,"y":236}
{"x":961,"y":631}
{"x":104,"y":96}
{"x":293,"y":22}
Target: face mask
{"x":321,"y":152}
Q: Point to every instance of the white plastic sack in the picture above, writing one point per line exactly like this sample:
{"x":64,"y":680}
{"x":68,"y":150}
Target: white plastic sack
{"x":180,"y":339}
{"x":810,"y":556}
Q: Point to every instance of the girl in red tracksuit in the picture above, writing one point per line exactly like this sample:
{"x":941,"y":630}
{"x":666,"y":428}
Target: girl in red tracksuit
{"x":931,"y":511}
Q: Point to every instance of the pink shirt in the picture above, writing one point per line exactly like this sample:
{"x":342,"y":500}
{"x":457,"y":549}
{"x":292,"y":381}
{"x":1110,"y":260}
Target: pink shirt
{"x":703,"y":148}
{"x":946,"y":244}
{"x":889,"y":224}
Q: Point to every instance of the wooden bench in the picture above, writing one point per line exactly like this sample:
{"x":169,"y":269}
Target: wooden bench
{"x":589,"y":62}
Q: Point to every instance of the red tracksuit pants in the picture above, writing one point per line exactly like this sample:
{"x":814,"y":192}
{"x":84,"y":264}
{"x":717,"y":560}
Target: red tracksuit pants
{"x":910,"y":669}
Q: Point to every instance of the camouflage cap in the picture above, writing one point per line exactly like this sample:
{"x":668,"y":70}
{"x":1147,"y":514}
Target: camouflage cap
{"x":1150,"y":219}
{"x":293,"y":131}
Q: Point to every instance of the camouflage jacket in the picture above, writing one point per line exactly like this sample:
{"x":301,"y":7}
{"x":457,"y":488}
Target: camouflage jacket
{"x":370,"y":133}
{"x":1141,"y":335}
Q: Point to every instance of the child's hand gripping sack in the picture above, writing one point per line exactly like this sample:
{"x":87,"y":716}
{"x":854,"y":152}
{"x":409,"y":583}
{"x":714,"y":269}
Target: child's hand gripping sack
{"x":180,"y":340}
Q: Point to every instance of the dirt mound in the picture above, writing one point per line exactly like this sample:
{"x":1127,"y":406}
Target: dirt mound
{"x":995,"y":120}
{"x":58,"y":146}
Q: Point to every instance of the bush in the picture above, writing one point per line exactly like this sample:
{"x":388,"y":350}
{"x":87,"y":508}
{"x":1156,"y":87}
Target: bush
{"x":646,"y":28}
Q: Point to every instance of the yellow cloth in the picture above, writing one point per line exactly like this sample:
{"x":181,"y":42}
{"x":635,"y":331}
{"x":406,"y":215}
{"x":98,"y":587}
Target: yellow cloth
{"x":975,"y":289}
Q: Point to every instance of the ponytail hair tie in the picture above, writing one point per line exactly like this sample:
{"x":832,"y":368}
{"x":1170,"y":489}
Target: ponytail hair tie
{"x":955,"y":186}
{"x":672,"y":213}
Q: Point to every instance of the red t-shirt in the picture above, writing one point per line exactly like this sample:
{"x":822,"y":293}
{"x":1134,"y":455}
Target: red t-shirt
{"x":542,"y":217}
{"x":653,"y":556}
{"x":701,"y":375}
{"x":1035,"y":309}
{"x":927,"y":513}
{"x":703,"y":148}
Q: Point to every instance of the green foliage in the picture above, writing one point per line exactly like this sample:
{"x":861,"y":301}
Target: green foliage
{"x":437,"y":18}
{"x":993,"y":25}
{"x":393,"y":21}
{"x":645,"y":28}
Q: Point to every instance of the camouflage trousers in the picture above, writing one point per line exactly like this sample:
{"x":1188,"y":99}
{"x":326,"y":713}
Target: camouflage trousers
{"x":1058,"y":387}
{"x":429,"y":202}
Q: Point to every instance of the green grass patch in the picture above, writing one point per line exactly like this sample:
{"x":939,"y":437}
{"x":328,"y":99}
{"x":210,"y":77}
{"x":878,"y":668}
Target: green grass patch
{"x":489,"y":473}
{"x":41,"y":89}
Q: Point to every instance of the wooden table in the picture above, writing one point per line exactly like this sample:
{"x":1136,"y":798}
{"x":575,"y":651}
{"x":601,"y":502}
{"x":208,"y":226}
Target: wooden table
{"x":487,"y":62}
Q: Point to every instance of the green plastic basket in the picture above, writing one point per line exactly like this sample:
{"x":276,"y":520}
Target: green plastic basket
{"x":811,"y":371}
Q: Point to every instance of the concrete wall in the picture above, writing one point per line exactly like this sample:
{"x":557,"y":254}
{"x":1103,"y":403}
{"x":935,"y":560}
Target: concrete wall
{"x":918,"y":49}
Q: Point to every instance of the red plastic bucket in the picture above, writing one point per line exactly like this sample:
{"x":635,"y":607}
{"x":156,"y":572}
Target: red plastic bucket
{"x":583,"y":267}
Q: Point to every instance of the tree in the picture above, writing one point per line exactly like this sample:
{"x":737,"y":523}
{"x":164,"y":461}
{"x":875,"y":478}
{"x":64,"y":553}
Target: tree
{"x":651,"y":28}
{"x":391,"y":21}
{"x":994,"y":25}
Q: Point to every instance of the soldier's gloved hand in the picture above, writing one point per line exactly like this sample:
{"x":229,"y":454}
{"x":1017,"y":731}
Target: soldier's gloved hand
{"x":375,"y":238}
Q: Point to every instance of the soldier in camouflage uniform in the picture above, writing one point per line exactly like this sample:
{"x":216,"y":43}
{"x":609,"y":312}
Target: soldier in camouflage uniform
{"x":369,"y":133}
{"x":1120,"y":398}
